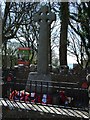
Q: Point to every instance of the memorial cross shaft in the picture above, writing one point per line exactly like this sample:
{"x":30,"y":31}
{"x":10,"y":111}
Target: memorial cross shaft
{"x":45,"y":18}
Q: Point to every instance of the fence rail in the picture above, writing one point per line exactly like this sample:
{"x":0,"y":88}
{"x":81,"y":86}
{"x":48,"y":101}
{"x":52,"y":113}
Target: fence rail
{"x":44,"y":92}
{"x":58,"y":99}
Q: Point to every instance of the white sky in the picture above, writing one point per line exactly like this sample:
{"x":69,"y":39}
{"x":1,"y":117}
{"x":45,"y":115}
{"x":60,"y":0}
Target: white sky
{"x":71,"y":59}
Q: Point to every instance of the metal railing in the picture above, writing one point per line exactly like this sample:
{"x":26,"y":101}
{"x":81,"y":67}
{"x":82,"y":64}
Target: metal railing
{"x":62,"y":94}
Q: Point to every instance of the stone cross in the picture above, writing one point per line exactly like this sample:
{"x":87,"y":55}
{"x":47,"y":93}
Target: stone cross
{"x":45,"y":18}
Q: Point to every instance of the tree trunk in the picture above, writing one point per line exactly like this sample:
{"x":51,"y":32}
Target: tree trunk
{"x":5,"y":57}
{"x":63,"y":33}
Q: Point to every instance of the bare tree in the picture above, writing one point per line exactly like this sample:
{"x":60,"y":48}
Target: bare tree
{"x":80,"y":23}
{"x":13,"y":17}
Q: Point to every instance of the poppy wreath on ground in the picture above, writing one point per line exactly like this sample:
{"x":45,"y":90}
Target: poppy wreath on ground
{"x":13,"y":94}
{"x":39,"y":98}
{"x":10,"y":77}
{"x":32,"y":97}
{"x":22,"y":95}
{"x":84,"y":85}
{"x":47,"y":99}
{"x":63,"y":97}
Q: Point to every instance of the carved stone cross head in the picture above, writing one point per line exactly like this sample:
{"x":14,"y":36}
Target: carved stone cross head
{"x":45,"y":15}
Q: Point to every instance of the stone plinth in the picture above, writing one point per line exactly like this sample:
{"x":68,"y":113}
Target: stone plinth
{"x":38,"y":80}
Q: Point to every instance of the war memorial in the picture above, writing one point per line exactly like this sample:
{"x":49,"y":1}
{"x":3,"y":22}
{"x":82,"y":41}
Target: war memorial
{"x":46,"y":95}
